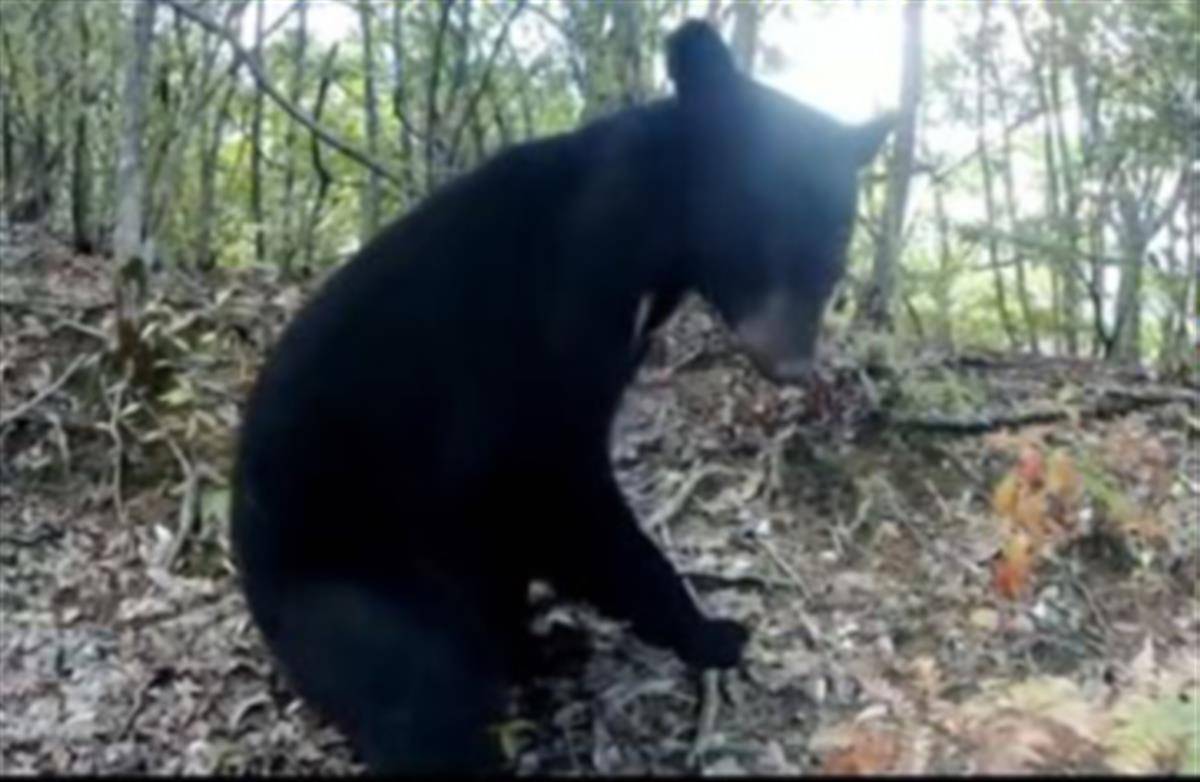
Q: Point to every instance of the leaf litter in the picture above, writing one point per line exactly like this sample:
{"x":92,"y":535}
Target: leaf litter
{"x":923,"y":600}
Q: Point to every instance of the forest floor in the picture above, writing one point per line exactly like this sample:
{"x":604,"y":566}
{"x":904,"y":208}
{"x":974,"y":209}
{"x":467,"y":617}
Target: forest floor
{"x":929,"y":589}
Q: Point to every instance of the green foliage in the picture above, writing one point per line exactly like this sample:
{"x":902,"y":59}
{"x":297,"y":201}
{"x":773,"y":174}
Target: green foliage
{"x":472,"y":78}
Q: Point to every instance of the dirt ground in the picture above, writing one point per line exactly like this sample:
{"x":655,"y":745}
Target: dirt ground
{"x":929,"y":589}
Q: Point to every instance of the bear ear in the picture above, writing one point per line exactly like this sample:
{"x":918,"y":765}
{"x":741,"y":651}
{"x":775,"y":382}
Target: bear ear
{"x":697,"y":59}
{"x":868,"y":138}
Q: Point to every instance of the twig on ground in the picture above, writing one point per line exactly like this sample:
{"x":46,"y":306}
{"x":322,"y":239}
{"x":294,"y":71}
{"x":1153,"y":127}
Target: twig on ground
{"x":710,"y":701}
{"x":1101,"y":616}
{"x":48,"y":391}
{"x":188,"y":512}
{"x":787,"y":569}
{"x":187,"y":505}
{"x":114,"y":431}
{"x":44,"y":533}
{"x":81,"y":328}
{"x":674,"y":506}
{"x":775,"y":460}
{"x":798,"y":607}
{"x":964,"y":467}
{"x":746,"y":579}
{"x":139,"y":704}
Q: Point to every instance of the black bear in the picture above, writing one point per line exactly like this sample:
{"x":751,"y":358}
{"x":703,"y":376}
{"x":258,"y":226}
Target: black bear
{"x":432,"y":431}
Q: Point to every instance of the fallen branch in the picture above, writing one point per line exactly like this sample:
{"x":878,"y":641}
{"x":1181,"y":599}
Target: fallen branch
{"x":188,"y":513}
{"x":114,"y":431}
{"x":46,"y":392}
{"x":1112,"y":401}
{"x":675,"y":505}
{"x":44,"y":533}
{"x":710,"y":701}
{"x":746,"y":580}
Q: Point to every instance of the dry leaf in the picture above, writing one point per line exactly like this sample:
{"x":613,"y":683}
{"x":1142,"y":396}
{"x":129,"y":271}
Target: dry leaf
{"x":1031,"y":468}
{"x":1004,"y":497}
{"x":1063,"y":479}
{"x":1044,"y":723}
{"x":863,"y":750}
{"x":1011,"y":571}
{"x":1030,"y":514}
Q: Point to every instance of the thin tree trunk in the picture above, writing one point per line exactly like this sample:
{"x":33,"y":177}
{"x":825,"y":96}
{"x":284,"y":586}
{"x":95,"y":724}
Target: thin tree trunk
{"x":1062,"y":311}
{"x":130,"y":269}
{"x":291,"y":210}
{"x":7,"y":175}
{"x":205,"y":257}
{"x":627,"y":22}
{"x":371,"y":195}
{"x":985,"y":167}
{"x":713,"y":13}
{"x":39,"y":164}
{"x":1097,"y":248}
{"x":876,"y":304}
{"x":433,"y":163}
{"x":1066,"y":214}
{"x":941,"y":291}
{"x":81,"y":162}
{"x":400,"y":101}
{"x":1128,"y":329}
{"x":256,"y":160}
{"x":1140,"y":222}
{"x":747,"y":18}
{"x":324,"y":178}
{"x":1066,"y":42}
{"x":1010,"y":208}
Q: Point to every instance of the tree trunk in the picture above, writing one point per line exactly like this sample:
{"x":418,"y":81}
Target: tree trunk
{"x":1140,"y":221}
{"x":1010,"y":206}
{"x":433,"y":117}
{"x":1127,"y":333}
{"x":81,"y":161}
{"x":292,"y":210}
{"x":713,"y":13}
{"x":324,"y":179}
{"x":205,"y":257}
{"x":985,"y":167}
{"x":941,"y":291}
{"x":1062,"y":272}
{"x":627,"y":48}
{"x":39,"y":163}
{"x":130,"y":269}
{"x":747,"y":18}
{"x":400,"y":102}
{"x":1065,"y":215}
{"x":371,"y":195}
{"x":256,"y":159}
{"x":877,"y":296}
{"x":1065,"y":37}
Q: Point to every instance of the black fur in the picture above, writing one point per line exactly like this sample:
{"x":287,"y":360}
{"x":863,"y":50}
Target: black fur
{"x":432,"y":430}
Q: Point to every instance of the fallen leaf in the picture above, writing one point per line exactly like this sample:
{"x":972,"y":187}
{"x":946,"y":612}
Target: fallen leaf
{"x":864,"y":750}
{"x":1011,"y":571}
{"x":1030,"y":514}
{"x":1031,"y":468}
{"x":985,"y":618}
{"x":1041,"y":723}
{"x":1004,"y":496}
{"x":1063,"y":479}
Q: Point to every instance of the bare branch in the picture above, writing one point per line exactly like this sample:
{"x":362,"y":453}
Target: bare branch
{"x":279,"y":99}
{"x":485,"y":79}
